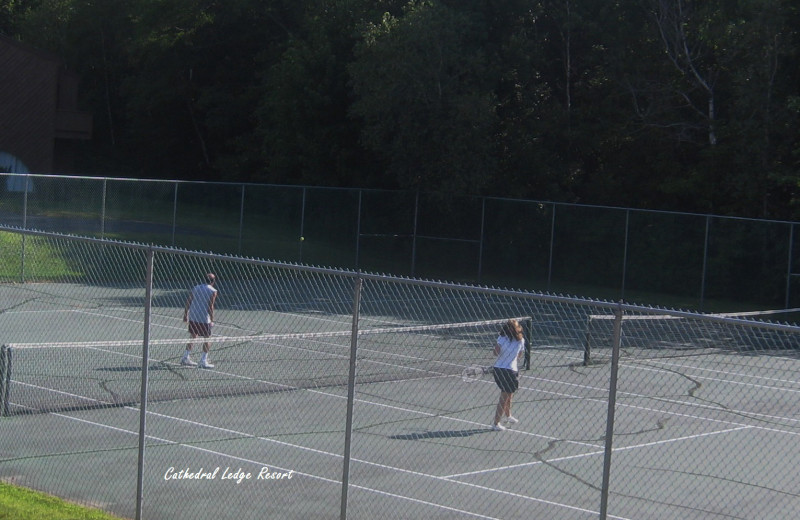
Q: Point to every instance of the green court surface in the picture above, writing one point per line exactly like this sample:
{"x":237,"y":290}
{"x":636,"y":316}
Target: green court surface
{"x":263,"y":433}
{"x":411,"y":458}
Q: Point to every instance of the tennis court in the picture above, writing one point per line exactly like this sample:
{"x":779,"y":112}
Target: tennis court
{"x":704,"y":423}
{"x":411,"y":461}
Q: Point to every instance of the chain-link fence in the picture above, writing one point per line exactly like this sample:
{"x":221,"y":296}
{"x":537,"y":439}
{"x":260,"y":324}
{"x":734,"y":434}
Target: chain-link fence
{"x":681,"y":260}
{"x":339,"y":394}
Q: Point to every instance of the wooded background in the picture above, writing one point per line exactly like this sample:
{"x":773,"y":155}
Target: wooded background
{"x":684,"y":105}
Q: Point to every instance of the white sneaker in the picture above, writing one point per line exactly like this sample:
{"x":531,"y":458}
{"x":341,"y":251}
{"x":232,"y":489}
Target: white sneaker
{"x":498,"y":427}
{"x":187,"y":362}
{"x":512,"y":420}
{"x":206,"y":364}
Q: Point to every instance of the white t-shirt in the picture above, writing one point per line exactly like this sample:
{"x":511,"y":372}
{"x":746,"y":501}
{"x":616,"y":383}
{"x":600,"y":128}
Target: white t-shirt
{"x":201,"y":300}
{"x":509,"y":350}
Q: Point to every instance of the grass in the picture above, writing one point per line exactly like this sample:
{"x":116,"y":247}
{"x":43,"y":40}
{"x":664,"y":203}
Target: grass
{"x":18,"y":503}
{"x":48,"y":262}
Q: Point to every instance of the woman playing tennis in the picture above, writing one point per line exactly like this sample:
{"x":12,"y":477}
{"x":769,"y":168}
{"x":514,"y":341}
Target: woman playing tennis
{"x":509,"y":349}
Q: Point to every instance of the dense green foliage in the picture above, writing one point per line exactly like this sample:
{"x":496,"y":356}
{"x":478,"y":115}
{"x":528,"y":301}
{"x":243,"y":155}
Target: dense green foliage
{"x":668,"y":104}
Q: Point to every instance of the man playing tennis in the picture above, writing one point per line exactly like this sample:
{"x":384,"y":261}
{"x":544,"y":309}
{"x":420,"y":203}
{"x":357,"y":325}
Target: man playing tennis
{"x":199,"y":314}
{"x":509,"y":349}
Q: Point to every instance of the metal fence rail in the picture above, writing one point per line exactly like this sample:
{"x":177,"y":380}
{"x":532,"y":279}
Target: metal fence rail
{"x":343,"y":394}
{"x":615,"y":253}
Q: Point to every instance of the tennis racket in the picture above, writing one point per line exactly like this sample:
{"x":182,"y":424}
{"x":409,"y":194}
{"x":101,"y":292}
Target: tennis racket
{"x":475,"y":373}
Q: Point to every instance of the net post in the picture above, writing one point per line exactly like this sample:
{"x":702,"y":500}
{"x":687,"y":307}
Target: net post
{"x":612,"y":403}
{"x":5,"y":379}
{"x":24,"y":226}
{"x":351,"y":385}
{"x":587,"y":354}
{"x":143,"y":396}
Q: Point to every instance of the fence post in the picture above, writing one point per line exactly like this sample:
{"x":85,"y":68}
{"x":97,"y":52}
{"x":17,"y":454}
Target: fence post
{"x":351,"y":384}
{"x":480,"y":243}
{"x":24,"y":226}
{"x":241,"y":220}
{"x":302,"y":225}
{"x":552,"y":244}
{"x":787,"y":298}
{"x":705,"y":264}
{"x":358,"y":231}
{"x":103,"y":209}
{"x":414,"y":236}
{"x":612,"y":400}
{"x":625,"y":252}
{"x":143,"y":395}
{"x":174,"y":212}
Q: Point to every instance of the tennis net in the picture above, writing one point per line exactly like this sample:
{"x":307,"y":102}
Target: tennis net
{"x":39,"y":378}
{"x":648,"y":336}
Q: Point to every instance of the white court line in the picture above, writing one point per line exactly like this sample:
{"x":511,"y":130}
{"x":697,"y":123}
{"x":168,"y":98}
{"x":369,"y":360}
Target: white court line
{"x":310,"y":390}
{"x":402,"y":470}
{"x":638,"y":366}
{"x":346,"y":320}
{"x":139,"y":321}
{"x":261,"y":463}
{"x":725,"y":372}
{"x":560,"y":394}
{"x":573,"y":396}
{"x":553,"y":460}
{"x":593,"y":454}
{"x":446,"y":478}
{"x":721,"y":380}
{"x":657,"y":410}
{"x":334,"y":455}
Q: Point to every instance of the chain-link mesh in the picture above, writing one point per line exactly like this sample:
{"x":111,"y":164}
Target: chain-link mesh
{"x":721,"y":387}
{"x":604,"y":252}
{"x":341,"y":394}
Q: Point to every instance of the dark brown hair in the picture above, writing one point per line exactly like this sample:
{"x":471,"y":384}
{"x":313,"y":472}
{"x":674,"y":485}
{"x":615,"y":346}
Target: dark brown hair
{"x":512,"y":330}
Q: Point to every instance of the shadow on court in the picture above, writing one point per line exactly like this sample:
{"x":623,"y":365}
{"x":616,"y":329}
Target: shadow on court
{"x":440,"y":434}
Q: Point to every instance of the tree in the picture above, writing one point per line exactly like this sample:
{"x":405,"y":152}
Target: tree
{"x":424,"y":92}
{"x":304,"y":134}
{"x":683,"y":26}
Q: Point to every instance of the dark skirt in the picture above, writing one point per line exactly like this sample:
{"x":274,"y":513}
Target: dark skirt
{"x":507,"y":380}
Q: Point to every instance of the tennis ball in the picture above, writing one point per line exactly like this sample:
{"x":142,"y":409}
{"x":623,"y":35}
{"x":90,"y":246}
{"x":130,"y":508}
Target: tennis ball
{"x":302,"y":238}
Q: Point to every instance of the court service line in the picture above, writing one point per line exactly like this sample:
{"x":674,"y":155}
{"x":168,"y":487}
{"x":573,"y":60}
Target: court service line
{"x":601,"y":401}
{"x":393,"y":407}
{"x":692,"y":405}
{"x":656,"y":410}
{"x":431,"y":476}
{"x":376,"y":464}
{"x":304,"y":448}
{"x":324,"y":479}
{"x":728,"y":381}
{"x":654,"y":364}
{"x":449,"y":478}
{"x":251,"y":461}
{"x":717,"y":371}
{"x":381,"y":465}
{"x":596,"y":453}
{"x":221,"y":310}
